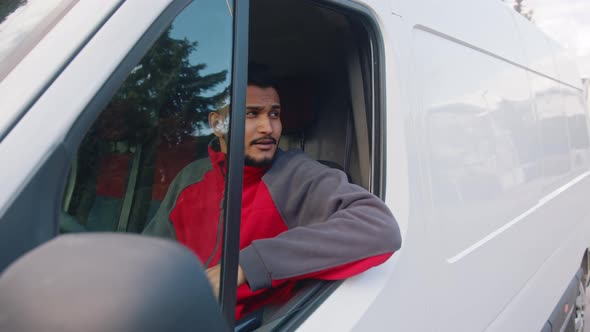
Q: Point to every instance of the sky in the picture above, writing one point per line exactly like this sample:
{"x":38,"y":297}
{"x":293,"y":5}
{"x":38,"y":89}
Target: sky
{"x":568,"y":22}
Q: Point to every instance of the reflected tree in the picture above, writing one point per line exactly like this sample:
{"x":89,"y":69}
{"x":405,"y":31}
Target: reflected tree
{"x":165,"y":100}
{"x":166,"y":91}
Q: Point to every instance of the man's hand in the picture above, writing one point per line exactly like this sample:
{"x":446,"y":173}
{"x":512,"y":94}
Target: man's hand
{"x":214,"y":276}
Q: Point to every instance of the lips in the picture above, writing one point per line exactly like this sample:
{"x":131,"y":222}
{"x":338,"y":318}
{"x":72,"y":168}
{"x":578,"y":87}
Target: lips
{"x":265,"y":143}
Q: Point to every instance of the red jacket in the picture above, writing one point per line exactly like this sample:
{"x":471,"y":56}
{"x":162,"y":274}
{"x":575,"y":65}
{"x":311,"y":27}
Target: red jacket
{"x":300,"y":219}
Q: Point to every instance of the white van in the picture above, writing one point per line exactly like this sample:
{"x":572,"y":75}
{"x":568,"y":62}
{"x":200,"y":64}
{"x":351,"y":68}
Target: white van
{"x":460,"y":114}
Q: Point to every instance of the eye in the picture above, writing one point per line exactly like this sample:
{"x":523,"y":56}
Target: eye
{"x":275,"y":114}
{"x":251,"y":114}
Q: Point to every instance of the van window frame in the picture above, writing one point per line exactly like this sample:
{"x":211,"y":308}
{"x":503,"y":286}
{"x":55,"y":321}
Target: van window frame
{"x":373,"y":81}
{"x":233,"y":199}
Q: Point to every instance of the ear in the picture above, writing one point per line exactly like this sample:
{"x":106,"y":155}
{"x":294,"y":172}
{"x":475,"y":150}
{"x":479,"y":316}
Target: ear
{"x":215,"y":119}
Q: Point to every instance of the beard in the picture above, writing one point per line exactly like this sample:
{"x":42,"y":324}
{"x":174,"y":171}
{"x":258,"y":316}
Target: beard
{"x":249,"y":161}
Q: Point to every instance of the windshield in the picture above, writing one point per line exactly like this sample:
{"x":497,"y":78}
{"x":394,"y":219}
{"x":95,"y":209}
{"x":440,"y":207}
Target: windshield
{"x":22,"y":24}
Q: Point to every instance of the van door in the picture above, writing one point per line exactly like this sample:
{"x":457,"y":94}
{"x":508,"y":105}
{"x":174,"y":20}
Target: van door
{"x":98,"y":149}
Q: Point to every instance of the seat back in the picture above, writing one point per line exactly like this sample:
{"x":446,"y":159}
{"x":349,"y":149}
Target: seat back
{"x":305,"y":128}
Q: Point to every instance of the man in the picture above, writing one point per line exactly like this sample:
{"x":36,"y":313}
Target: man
{"x":300,"y":219}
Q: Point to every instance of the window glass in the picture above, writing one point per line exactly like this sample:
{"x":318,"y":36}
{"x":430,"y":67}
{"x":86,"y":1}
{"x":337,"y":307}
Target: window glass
{"x":152,"y":163}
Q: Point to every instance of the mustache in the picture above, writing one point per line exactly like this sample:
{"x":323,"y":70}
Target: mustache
{"x":262,"y":139}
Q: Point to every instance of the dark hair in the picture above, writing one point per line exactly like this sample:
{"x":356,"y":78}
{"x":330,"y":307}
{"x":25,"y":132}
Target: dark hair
{"x":259,"y":75}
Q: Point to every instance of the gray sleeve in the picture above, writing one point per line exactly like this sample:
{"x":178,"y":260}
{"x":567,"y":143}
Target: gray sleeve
{"x":161,"y":225}
{"x":331,"y":223}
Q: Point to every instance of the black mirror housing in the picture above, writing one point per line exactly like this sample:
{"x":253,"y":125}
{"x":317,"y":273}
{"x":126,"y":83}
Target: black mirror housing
{"x":108,"y":282}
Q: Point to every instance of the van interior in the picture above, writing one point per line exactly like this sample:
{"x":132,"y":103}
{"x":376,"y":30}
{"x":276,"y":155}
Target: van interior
{"x":322,"y":59}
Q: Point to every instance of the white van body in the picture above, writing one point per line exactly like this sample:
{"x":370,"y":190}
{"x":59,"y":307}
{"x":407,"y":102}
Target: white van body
{"x":472,"y":259}
{"x":487,"y":157}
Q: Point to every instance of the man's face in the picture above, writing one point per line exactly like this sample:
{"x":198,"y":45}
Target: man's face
{"x":263,"y":125}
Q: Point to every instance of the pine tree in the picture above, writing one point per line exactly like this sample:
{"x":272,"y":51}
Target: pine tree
{"x":166,"y":91}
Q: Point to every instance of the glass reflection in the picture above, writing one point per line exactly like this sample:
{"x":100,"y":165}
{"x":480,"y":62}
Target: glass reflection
{"x":482,"y":140}
{"x":155,"y":126}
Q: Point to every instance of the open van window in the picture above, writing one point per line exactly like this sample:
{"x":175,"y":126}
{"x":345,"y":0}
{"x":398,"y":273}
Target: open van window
{"x":328,"y":66}
{"x":327,"y":62}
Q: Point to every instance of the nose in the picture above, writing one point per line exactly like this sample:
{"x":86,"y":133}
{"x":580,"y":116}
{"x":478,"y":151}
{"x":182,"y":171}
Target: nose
{"x":264,"y":125}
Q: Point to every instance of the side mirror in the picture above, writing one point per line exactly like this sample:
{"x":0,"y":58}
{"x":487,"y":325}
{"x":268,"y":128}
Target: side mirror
{"x":108,"y":282}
